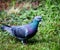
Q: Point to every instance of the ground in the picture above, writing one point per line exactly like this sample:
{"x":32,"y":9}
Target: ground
{"x":48,"y":35}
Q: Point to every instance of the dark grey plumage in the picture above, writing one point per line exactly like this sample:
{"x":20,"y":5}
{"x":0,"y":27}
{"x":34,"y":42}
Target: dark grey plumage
{"x":23,"y":32}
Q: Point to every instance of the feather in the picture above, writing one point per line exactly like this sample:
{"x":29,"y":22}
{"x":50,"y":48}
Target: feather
{"x":25,"y":31}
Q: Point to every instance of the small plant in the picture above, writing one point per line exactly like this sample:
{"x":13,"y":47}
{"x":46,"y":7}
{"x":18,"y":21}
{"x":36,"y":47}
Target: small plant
{"x":48,"y":35}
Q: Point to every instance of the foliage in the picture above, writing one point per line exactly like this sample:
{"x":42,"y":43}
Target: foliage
{"x":48,"y":35}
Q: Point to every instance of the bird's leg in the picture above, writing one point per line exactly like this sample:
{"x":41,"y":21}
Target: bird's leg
{"x":24,"y":42}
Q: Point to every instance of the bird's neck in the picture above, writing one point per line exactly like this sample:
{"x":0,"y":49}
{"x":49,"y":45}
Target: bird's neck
{"x":35,"y":24}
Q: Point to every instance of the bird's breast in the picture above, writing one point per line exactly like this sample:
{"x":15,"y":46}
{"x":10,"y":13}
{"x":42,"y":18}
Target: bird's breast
{"x":31,"y":32}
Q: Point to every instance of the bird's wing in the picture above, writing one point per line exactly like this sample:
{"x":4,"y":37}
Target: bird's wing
{"x":19,"y":31}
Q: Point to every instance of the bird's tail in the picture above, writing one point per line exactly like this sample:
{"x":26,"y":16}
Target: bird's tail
{"x":4,"y":27}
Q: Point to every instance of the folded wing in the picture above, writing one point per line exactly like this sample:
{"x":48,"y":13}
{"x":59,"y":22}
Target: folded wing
{"x":19,"y":32}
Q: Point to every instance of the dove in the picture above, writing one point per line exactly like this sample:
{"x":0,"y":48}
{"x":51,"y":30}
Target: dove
{"x":23,"y":32}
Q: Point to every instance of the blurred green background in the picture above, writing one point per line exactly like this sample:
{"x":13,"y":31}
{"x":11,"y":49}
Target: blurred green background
{"x":20,"y":12}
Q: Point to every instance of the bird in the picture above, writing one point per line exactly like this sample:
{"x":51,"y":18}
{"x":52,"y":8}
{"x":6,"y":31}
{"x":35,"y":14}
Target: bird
{"x":23,"y":32}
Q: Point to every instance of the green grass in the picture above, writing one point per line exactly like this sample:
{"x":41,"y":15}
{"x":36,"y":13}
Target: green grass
{"x":48,"y":35}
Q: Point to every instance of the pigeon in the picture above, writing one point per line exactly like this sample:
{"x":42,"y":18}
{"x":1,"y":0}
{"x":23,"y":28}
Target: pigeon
{"x":23,"y":32}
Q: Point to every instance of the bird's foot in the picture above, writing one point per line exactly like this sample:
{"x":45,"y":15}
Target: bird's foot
{"x":24,"y":42}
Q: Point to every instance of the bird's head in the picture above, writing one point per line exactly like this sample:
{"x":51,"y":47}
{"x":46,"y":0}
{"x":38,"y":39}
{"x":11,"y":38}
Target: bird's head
{"x":38,"y":18}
